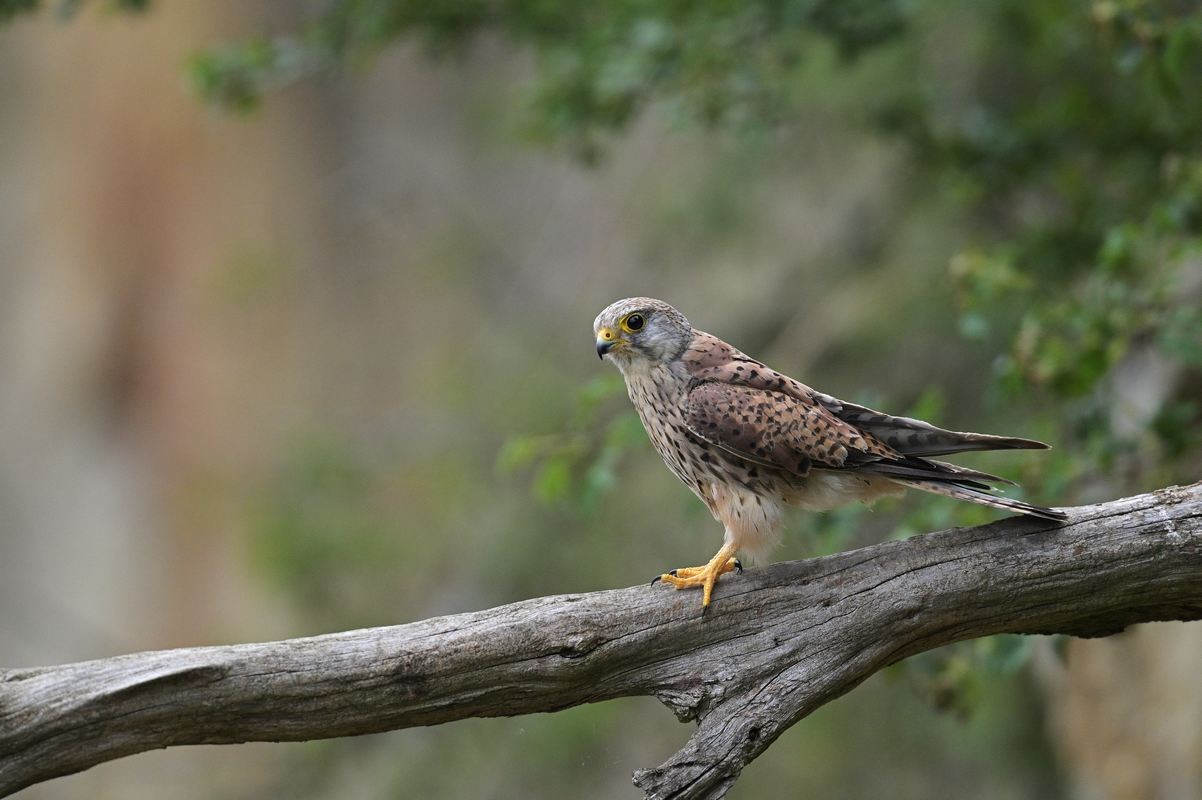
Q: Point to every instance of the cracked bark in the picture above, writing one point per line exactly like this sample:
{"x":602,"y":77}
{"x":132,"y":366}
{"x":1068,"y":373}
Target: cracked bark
{"x":778,"y":643}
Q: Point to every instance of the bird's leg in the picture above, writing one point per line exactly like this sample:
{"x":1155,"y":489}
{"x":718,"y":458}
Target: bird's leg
{"x":724,"y":561}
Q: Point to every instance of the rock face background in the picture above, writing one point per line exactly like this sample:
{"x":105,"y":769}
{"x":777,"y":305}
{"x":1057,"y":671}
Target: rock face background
{"x":263,"y":377}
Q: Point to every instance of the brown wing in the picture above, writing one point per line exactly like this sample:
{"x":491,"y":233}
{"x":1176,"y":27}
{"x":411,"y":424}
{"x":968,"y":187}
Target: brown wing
{"x":761,"y":415}
{"x":711,"y":359}
{"x":776,"y":430}
{"x":873,"y":442}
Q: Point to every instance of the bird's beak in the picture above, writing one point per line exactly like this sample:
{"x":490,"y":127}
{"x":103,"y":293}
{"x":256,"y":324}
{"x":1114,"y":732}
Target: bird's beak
{"x":607,"y":339}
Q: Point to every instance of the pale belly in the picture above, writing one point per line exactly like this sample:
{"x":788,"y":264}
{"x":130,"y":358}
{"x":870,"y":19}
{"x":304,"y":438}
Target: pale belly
{"x":753,"y":517}
{"x":823,"y":490}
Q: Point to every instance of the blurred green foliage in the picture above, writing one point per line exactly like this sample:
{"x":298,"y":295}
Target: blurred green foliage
{"x":954,"y":678}
{"x":324,"y":516}
{"x":65,"y":9}
{"x":599,"y":64}
{"x":578,"y":464}
{"x":12,"y":8}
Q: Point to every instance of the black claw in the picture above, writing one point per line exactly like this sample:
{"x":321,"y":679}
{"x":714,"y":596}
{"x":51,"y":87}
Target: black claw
{"x":672,"y":572}
{"x":738,"y":567}
{"x":656,"y":579}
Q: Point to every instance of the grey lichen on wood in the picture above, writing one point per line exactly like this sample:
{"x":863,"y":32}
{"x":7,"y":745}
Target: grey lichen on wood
{"x":778,"y":643}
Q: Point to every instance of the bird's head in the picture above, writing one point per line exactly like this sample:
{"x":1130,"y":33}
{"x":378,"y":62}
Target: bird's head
{"x":641,"y":332}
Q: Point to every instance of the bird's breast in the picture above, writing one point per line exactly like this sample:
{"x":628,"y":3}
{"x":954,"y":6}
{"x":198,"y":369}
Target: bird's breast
{"x":661,"y":399}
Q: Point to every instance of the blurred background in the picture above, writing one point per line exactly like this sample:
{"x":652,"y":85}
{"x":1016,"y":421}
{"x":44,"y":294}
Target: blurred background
{"x":295,"y":337}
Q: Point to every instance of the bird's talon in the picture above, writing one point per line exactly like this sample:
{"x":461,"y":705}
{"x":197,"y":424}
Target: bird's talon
{"x":738,"y":566}
{"x":704,"y":577}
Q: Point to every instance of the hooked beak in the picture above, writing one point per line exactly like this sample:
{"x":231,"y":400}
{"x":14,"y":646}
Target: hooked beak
{"x":607,"y":339}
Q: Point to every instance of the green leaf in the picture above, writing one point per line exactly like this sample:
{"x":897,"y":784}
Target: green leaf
{"x":553,"y":480}
{"x":519,"y":452}
{"x":1181,"y":50}
{"x":10,"y":9}
{"x":1181,"y":334}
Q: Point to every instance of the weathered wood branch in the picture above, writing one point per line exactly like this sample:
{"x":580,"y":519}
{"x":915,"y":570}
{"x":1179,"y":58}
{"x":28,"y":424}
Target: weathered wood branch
{"x":778,"y":643}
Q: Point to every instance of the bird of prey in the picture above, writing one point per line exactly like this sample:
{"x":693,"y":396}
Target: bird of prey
{"x":749,"y":440}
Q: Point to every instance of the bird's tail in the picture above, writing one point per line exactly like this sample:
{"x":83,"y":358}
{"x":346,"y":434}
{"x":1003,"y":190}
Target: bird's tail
{"x":913,"y":437}
{"x":972,"y":495}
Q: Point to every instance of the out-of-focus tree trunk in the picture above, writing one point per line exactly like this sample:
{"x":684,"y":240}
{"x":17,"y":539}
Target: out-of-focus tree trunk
{"x":115,"y":405}
{"x":1127,"y":714}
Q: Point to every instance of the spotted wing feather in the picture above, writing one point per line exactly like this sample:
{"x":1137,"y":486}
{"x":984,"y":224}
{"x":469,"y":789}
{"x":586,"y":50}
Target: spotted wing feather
{"x":774,"y":429}
{"x":889,"y":446}
{"x":710,"y":358}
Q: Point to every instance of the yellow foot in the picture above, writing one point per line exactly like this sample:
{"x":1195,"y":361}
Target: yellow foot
{"x":704,"y":577}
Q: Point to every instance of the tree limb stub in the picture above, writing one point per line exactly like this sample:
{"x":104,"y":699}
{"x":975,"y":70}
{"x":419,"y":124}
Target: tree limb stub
{"x":778,"y":643}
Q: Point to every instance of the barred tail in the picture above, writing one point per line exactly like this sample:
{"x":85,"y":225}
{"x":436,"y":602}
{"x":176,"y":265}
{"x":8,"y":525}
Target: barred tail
{"x":984,"y":498}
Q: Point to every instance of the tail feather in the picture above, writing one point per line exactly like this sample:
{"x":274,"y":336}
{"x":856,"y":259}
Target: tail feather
{"x":913,"y":437}
{"x":972,"y":495}
{"x":921,"y":468}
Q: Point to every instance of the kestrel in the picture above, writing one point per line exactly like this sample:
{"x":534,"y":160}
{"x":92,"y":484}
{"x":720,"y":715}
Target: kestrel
{"x":750,"y":441}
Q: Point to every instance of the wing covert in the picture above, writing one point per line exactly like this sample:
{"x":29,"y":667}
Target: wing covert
{"x":773,"y":429}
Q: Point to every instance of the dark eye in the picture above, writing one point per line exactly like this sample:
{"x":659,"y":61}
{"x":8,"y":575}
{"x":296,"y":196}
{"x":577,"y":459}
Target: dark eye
{"x":633,"y":323}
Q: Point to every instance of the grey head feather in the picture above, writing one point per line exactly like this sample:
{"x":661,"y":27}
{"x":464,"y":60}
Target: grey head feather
{"x":664,"y":337}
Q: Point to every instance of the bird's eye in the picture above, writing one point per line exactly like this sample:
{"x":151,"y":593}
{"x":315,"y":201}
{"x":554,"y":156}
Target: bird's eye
{"x":633,"y":323}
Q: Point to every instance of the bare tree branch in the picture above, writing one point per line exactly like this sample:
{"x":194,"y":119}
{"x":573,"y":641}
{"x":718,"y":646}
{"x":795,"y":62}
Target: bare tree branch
{"x":778,"y":643}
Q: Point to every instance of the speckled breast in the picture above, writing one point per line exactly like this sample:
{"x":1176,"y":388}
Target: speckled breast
{"x":660,"y":398}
